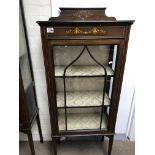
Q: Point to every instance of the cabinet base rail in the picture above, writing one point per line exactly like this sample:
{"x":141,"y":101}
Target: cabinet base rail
{"x":56,"y":141}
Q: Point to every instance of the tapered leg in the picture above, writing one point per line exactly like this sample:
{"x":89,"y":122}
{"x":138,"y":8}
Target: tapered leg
{"x":111,"y":138}
{"x":54,"y":141}
{"x":58,"y":140}
{"x":30,"y":139}
{"x":39,"y":127}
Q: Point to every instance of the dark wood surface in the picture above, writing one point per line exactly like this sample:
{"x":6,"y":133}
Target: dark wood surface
{"x":75,"y":26}
{"x":114,"y":31}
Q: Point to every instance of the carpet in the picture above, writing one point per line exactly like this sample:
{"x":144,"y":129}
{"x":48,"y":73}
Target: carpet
{"x":79,"y":148}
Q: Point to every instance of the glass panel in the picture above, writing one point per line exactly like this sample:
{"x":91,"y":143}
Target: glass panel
{"x":25,"y":71}
{"x":81,"y":92}
{"x":83,"y":82}
{"x":28,"y":85}
{"x":81,"y":119}
{"x":22,"y":41}
{"x":24,"y":62}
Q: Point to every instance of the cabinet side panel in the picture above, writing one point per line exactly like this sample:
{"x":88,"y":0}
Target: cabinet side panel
{"x":49,"y":82}
{"x":120,"y":65}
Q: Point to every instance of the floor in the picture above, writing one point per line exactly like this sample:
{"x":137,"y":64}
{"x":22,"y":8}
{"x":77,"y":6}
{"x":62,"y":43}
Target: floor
{"x":78,"y":147}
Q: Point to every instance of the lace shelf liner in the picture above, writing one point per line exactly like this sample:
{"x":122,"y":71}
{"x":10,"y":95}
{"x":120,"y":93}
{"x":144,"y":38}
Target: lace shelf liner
{"x":82,"y":98}
{"x":79,"y":121}
{"x":83,"y":71}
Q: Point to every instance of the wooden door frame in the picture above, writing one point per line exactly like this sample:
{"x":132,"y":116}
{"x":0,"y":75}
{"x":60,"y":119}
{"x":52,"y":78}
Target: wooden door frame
{"x":49,"y":65}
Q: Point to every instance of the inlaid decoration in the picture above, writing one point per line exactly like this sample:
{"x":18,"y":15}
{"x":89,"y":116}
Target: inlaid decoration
{"x":93,"y":30}
{"x":83,"y":14}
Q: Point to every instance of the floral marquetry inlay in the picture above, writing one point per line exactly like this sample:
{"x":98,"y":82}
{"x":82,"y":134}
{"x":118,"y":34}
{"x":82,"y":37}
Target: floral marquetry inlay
{"x":93,"y":30}
{"x":83,"y":14}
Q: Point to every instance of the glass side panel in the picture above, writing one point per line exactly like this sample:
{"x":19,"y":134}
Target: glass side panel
{"x":25,"y":71}
{"x":83,"y":76}
{"x":24,"y":65}
{"x":23,"y":56}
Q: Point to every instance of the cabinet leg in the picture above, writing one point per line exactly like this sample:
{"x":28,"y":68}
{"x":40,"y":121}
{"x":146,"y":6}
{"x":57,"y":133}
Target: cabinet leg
{"x":102,"y":139}
{"x":39,"y":127}
{"x":111,"y":138}
{"x":58,"y":140}
{"x":30,"y":139}
{"x":54,"y":141}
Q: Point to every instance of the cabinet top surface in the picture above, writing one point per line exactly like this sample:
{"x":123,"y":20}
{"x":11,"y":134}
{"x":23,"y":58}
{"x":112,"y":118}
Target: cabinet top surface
{"x":83,"y":16}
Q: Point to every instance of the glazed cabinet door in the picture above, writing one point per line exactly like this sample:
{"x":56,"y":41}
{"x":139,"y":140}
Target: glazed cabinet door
{"x":82,"y":77}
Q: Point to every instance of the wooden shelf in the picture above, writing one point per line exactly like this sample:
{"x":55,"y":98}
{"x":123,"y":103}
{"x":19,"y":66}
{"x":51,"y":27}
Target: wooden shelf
{"x":82,"y":99}
{"x":85,"y":121}
{"x":76,"y":71}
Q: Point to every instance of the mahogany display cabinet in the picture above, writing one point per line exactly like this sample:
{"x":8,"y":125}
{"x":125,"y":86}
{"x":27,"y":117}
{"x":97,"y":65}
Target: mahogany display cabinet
{"x":84,"y":55}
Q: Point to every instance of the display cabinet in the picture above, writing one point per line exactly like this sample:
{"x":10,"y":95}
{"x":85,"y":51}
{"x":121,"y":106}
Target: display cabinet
{"x":28,"y":108}
{"x":84,"y":56}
